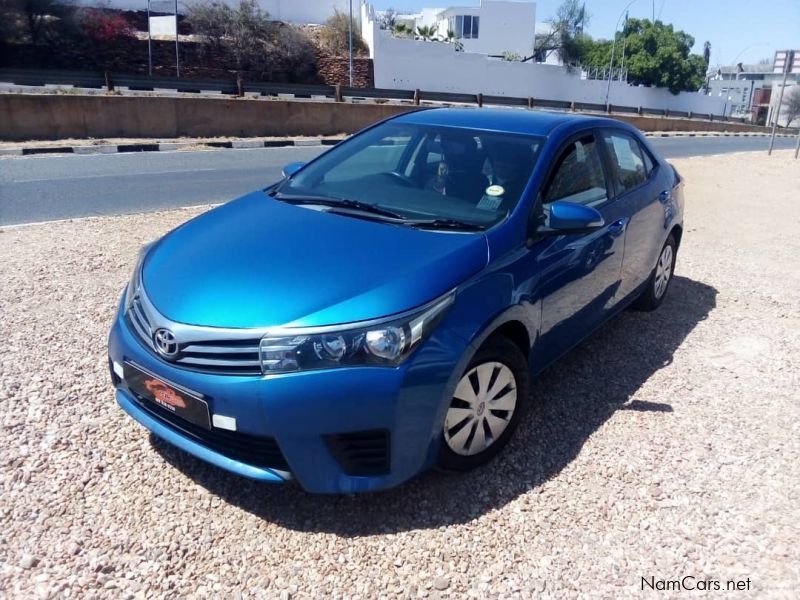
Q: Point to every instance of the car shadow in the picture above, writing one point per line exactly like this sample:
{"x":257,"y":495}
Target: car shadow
{"x":571,"y":400}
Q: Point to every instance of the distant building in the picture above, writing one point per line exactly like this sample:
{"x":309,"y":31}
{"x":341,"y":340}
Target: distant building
{"x":494,"y":28}
{"x":751,"y":91}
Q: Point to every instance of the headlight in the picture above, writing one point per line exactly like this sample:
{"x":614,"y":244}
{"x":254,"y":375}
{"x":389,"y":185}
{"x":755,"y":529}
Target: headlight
{"x":133,"y":285}
{"x":384,"y":342}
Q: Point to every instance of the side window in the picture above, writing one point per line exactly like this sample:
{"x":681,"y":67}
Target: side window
{"x":648,"y":162}
{"x":578,"y":176}
{"x":627,"y":160}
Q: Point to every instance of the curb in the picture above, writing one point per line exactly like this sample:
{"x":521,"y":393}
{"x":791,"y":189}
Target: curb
{"x":714,"y":134}
{"x":283,"y":143}
{"x":166,"y":146}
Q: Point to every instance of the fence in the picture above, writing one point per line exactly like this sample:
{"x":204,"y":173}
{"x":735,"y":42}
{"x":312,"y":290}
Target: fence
{"x":110,"y":81}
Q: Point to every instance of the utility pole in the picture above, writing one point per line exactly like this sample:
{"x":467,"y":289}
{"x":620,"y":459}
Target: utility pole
{"x":149,"y":43}
{"x":349,"y":41}
{"x":786,"y":66}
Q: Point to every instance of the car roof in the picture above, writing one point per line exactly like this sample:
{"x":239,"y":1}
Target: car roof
{"x":506,"y":120}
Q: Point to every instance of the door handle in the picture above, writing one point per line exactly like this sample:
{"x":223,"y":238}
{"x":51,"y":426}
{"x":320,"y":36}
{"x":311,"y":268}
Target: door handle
{"x":617,"y":228}
{"x":665,"y":196}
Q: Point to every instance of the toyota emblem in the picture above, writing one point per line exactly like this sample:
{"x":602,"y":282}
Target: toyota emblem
{"x":165,"y":343}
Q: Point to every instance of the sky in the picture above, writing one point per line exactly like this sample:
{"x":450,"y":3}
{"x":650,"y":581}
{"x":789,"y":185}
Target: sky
{"x":739,"y":30}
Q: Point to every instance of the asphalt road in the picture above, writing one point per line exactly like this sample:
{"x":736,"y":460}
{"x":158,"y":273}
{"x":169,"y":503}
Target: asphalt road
{"x":45,"y":188}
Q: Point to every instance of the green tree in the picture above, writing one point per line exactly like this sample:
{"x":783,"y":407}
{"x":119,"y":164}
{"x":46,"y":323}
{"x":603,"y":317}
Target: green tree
{"x":401,"y":30}
{"x":426,"y":32}
{"x":655,"y":55}
{"x":38,"y":22}
{"x":565,"y":33}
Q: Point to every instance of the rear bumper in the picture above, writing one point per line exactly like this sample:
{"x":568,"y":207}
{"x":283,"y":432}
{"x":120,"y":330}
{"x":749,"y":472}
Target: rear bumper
{"x":308,"y":414}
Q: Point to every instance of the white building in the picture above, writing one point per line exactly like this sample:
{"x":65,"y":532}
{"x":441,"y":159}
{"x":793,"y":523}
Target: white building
{"x":492,"y":28}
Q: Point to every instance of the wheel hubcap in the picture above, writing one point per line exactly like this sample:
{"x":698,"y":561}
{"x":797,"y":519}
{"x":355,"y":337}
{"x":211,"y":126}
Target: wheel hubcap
{"x":481,"y":408}
{"x":663,"y":271}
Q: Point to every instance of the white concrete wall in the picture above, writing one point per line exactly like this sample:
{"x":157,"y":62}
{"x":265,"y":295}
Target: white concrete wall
{"x":305,"y":11}
{"x":290,"y":11}
{"x":433,"y":66}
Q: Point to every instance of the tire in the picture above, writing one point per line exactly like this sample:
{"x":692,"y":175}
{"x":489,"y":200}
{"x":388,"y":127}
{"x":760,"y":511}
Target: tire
{"x":658,"y":283}
{"x":473,"y":432}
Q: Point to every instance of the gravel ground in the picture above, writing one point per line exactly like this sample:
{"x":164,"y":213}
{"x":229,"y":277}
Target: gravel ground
{"x":667,"y":445}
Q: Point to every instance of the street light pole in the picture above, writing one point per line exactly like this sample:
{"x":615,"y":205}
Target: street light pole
{"x":613,"y":48}
{"x":350,"y":41}
{"x":624,"y":41}
{"x":786,"y":66}
{"x":149,"y":44}
{"x":177,"y":53}
{"x":797,"y":145}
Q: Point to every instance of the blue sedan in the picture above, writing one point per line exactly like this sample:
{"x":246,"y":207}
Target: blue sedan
{"x":382,"y":309}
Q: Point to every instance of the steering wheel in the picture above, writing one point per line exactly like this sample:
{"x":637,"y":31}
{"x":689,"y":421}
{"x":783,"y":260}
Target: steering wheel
{"x":405,"y":181}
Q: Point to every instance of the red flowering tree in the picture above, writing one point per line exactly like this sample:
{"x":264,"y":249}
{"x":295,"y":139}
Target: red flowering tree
{"x":109,"y":35}
{"x":105,"y":28}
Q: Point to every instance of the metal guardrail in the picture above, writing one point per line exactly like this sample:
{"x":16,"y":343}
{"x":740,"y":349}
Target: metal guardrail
{"x":93,"y":80}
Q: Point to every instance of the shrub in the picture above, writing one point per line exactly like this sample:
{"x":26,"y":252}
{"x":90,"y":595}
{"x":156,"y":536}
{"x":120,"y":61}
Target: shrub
{"x":335,"y":35}
{"x":248,"y":41}
{"x":295,"y":50}
{"x":37,"y":21}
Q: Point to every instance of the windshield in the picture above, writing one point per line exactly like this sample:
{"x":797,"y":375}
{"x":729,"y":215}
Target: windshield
{"x":420,"y":172}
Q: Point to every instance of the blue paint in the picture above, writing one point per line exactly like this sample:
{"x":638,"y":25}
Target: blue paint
{"x":258,"y":262}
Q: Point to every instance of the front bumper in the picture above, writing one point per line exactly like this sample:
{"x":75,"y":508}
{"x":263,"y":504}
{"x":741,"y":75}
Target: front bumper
{"x":304,"y":412}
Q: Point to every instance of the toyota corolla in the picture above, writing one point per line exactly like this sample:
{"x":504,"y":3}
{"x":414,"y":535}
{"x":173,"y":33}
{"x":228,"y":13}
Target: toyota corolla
{"x":382,"y":309}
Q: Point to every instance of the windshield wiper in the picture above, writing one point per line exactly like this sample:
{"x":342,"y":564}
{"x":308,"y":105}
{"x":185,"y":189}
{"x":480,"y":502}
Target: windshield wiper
{"x":337,"y":203}
{"x":444,"y":224}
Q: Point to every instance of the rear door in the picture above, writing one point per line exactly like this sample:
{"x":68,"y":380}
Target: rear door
{"x":580,"y":273}
{"x":634,"y":178}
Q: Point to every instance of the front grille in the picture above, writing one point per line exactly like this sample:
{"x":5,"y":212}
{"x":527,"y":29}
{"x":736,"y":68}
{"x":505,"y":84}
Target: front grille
{"x":238,"y":357}
{"x":361,"y":453}
{"x":222,"y":356}
{"x":250,"y":449}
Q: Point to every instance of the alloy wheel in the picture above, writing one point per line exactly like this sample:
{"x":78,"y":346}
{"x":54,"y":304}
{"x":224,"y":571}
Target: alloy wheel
{"x":481,"y":408}
{"x":663,"y":271}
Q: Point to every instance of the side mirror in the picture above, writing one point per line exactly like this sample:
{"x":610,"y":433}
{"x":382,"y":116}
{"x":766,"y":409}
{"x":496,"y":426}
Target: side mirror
{"x":562,"y":218}
{"x":292,"y":168}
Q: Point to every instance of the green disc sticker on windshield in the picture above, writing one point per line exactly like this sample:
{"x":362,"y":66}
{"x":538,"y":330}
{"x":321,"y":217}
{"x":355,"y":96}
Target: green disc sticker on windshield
{"x":495,"y":190}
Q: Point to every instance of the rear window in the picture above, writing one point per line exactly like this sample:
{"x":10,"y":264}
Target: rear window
{"x":627,"y":160}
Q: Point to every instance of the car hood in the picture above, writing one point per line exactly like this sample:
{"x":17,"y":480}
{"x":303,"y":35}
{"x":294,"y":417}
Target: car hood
{"x":258,"y":262}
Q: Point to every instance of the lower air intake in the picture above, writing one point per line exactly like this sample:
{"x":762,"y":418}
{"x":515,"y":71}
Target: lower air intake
{"x":361,"y":453}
